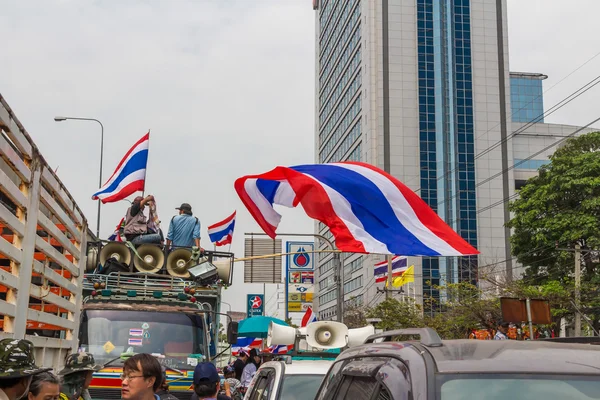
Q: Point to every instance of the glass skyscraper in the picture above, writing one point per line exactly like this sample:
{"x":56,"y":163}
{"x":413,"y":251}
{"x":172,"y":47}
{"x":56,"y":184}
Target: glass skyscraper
{"x":421,"y":89}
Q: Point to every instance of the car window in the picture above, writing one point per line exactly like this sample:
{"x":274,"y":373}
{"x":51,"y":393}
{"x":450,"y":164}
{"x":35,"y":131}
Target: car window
{"x":366,"y":378}
{"x":300,"y":387}
{"x":264,"y":384}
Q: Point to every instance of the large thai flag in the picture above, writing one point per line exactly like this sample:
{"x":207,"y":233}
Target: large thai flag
{"x":245,"y":344}
{"x":399,"y":266}
{"x":309,"y":317}
{"x":129,"y":176}
{"x":366,"y":209}
{"x":221,"y":233}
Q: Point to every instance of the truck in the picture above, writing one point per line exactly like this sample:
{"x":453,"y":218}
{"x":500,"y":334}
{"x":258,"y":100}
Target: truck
{"x":176,"y":317}
{"x":52,"y":294}
{"x":42,"y":249}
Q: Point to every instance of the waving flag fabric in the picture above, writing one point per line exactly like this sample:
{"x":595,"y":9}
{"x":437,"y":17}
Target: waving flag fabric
{"x":279,"y":349}
{"x":221,"y":233}
{"x":309,"y":317}
{"x":406,"y":277}
{"x":129,"y":176}
{"x":366,"y":209}
{"x":399,"y":265}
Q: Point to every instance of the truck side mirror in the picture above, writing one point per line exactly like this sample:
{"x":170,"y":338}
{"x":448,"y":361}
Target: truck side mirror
{"x":232,"y":332}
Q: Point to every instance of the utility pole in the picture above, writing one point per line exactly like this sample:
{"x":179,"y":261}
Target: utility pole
{"x":388,"y":285}
{"x":577,"y":289}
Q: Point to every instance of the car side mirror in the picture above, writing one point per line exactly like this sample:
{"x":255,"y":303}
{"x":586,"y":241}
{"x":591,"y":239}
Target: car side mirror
{"x":232,"y":332}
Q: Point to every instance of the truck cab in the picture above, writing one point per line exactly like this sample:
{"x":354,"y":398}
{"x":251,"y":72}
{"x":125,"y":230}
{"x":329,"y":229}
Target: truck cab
{"x":174,"y":318}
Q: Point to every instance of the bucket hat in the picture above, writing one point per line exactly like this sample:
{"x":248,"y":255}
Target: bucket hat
{"x":80,"y":362}
{"x":17,"y":359}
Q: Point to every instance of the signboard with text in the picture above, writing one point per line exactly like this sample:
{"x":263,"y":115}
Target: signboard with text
{"x":300,"y":277}
{"x":255,"y":305}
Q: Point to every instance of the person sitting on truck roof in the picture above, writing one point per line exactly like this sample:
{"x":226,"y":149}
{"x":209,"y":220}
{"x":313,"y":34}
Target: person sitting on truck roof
{"x":77,"y":376}
{"x":136,"y":224}
{"x":184,"y":229}
{"x":17,"y":367}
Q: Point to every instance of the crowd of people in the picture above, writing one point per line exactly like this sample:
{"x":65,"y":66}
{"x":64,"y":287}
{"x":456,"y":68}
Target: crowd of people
{"x":143,"y":377}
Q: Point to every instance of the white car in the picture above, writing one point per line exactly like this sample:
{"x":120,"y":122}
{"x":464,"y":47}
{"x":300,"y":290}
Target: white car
{"x":295,"y":379}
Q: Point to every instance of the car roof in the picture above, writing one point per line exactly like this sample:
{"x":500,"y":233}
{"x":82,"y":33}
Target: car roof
{"x":501,"y":356}
{"x":303,"y":367}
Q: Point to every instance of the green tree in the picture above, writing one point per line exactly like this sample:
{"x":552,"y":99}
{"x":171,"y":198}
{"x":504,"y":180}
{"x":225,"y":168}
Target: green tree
{"x":560,"y":206}
{"x":396,"y":314}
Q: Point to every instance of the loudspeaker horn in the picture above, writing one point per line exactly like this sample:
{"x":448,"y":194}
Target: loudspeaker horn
{"x":327,"y":335}
{"x":224,"y":269}
{"x":178,"y":262}
{"x":92,"y":259}
{"x":151,"y":259}
{"x":116,"y":250}
{"x":357,"y":336}
{"x":280,"y":335}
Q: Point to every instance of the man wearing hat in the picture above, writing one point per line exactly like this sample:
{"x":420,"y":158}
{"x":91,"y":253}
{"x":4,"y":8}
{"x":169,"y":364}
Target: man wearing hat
{"x":184,"y":229}
{"x":17,"y":366}
{"x":207,"y":383}
{"x":76,"y":377}
{"x":502,"y":330}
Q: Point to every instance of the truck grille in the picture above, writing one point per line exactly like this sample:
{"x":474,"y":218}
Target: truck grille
{"x":115,"y":394}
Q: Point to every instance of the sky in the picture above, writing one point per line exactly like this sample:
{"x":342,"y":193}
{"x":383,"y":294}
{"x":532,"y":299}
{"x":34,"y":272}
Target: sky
{"x":226,"y":89}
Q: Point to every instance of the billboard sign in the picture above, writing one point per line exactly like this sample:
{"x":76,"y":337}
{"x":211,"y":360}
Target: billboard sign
{"x":255,"y":305}
{"x":262,"y":270}
{"x":300,"y":277}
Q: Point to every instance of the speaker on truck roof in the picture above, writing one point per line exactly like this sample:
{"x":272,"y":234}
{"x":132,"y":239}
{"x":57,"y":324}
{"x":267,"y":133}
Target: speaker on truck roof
{"x":118,"y":251}
{"x":151,"y":258}
{"x":179,"y":261}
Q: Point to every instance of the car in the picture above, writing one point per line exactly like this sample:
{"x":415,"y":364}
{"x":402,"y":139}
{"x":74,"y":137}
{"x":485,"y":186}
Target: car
{"x":431,"y":368}
{"x":289,"y":377}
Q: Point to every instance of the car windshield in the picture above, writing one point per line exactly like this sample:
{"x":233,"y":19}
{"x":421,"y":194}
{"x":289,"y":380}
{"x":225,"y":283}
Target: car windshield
{"x":175,"y":336}
{"x":519,"y":386}
{"x":300,"y":387}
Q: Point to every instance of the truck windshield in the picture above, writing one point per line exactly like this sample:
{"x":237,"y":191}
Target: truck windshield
{"x":178,"y":337}
{"x":519,"y":386}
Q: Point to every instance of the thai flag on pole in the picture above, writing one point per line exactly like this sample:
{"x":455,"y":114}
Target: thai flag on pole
{"x":366,"y":209}
{"x":399,"y":265}
{"x":129,"y":176}
{"x":309,"y":316}
{"x":221,"y":233}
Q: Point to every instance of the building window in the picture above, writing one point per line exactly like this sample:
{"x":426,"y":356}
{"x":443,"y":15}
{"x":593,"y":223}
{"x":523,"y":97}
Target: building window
{"x":353,"y":285}
{"x":526,"y":99}
{"x":530,"y":164}
{"x":327,"y":297}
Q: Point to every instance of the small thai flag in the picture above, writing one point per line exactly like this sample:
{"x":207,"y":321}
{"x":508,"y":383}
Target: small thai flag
{"x":221,"y":233}
{"x":134,"y":342}
{"x":136,"y":332}
{"x":399,"y":266}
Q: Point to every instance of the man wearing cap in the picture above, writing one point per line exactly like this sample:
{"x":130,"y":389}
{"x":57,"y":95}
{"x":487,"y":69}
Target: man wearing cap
{"x":184,"y":229}
{"x":17,"y":366}
{"x":207,"y":383}
{"x":76,"y":376}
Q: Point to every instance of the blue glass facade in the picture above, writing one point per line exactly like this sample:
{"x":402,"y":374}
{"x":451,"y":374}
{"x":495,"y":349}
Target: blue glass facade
{"x":446,"y":131}
{"x":526,"y":98}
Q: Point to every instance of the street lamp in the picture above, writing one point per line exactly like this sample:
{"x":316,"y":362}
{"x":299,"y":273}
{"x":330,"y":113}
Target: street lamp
{"x":60,"y":119}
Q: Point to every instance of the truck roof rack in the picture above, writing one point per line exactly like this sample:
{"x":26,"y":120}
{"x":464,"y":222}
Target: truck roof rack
{"x":428,"y":337}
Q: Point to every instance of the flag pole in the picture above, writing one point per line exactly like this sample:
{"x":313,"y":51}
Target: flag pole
{"x":146,"y":173}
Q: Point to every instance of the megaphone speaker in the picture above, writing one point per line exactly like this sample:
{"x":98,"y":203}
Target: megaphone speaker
{"x":357,"y":336}
{"x":280,"y":335}
{"x":178,"y":262}
{"x":224,"y":268}
{"x":116,"y":250}
{"x":327,"y":335}
{"x":151,"y":258}
{"x":92,"y":259}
